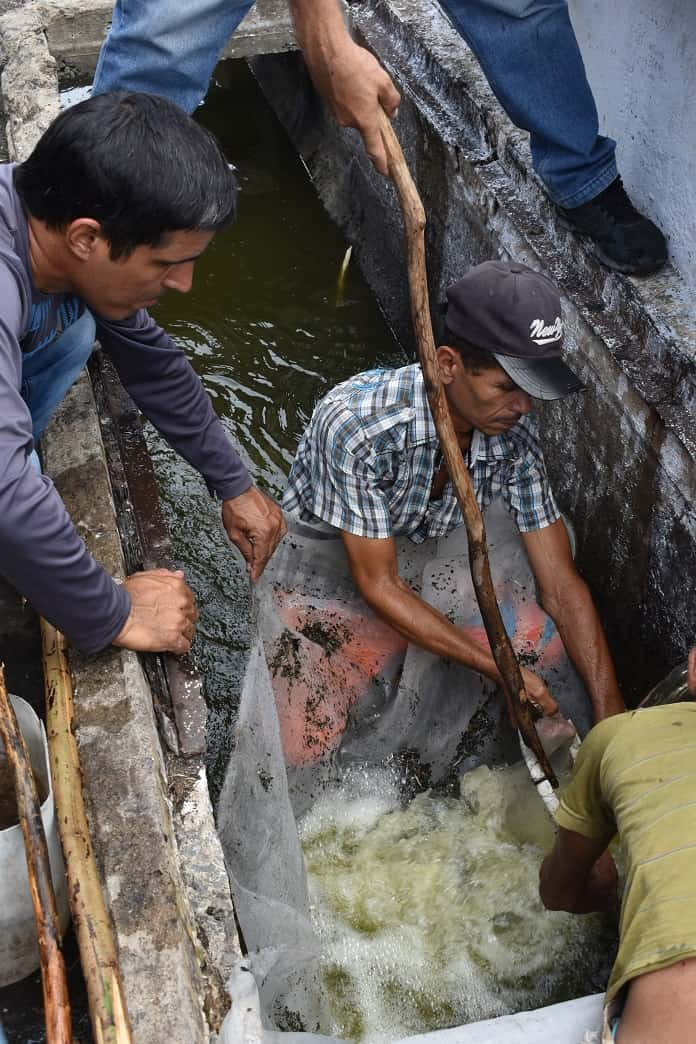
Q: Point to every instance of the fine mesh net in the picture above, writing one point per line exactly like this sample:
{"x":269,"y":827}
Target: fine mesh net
{"x":331,"y":690}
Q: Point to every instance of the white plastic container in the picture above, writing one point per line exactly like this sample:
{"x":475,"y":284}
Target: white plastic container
{"x":19,"y":953}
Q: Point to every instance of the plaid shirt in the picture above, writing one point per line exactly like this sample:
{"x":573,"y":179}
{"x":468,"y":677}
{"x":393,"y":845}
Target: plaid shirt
{"x":367,"y":461}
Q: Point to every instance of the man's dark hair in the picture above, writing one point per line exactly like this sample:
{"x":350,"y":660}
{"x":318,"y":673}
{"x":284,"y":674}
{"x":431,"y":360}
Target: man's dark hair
{"x":474,"y":359}
{"x":136,"y":163}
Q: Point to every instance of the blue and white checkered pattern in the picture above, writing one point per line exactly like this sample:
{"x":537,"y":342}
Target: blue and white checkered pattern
{"x":367,"y":460}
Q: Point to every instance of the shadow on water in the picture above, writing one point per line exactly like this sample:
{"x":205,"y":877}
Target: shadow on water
{"x":269,"y":334}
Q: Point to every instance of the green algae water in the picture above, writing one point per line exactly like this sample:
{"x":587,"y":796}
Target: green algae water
{"x":429,"y":915}
{"x":269,"y":330}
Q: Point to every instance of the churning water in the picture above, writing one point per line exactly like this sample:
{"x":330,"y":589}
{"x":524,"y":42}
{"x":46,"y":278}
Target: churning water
{"x":429,"y":915}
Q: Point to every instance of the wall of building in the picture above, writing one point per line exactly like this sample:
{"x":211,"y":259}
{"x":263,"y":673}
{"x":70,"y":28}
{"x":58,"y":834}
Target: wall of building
{"x":641,"y":62}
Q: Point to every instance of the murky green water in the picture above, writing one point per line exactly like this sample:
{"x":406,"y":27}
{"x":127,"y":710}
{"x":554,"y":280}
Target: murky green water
{"x":263,"y":328}
{"x":430,"y":915}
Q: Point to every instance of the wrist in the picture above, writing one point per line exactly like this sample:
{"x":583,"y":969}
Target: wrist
{"x":477,"y":659}
{"x":321,"y":29}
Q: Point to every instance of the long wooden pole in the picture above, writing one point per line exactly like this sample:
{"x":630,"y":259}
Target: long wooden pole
{"x":518,"y":704}
{"x":98,"y":955}
{"x":53,"y":978}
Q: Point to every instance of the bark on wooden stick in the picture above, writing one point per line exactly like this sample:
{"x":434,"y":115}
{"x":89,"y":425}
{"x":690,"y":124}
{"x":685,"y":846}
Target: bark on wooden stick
{"x":53,"y":978}
{"x":518,"y":705}
{"x":98,"y":955}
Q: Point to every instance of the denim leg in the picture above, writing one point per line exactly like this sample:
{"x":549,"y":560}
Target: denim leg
{"x":531,"y":58}
{"x":166,"y":47}
{"x":50,"y":371}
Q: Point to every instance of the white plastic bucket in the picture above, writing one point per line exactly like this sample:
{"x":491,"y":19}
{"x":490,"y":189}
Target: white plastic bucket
{"x":19,"y":952}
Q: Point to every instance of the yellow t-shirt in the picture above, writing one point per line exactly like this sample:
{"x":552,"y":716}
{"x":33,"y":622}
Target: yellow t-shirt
{"x":635,"y":775}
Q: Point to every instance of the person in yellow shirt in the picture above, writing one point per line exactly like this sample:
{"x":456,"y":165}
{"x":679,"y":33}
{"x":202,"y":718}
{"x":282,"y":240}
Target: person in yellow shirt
{"x":635,"y":777}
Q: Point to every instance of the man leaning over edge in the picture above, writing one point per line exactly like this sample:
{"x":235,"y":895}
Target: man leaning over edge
{"x":369,"y":465}
{"x":635,"y":777}
{"x":118,"y":200}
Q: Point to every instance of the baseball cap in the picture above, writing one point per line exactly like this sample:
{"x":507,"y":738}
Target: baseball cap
{"x":514,"y":313}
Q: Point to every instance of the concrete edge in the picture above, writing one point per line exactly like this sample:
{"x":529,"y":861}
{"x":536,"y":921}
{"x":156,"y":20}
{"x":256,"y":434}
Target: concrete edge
{"x":124,"y":775}
{"x":75,"y":30}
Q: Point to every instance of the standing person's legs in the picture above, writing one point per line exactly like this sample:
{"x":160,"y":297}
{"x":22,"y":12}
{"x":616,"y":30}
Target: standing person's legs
{"x":528,"y":51}
{"x":50,"y":371}
{"x":166,"y":47}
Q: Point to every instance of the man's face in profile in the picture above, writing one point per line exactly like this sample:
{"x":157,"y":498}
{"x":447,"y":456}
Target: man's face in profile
{"x":115,"y":289}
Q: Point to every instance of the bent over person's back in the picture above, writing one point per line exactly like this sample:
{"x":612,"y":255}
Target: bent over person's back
{"x":635,"y":777}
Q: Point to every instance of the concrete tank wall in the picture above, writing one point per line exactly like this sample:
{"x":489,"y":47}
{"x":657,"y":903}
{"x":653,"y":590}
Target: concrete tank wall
{"x":641,"y":61}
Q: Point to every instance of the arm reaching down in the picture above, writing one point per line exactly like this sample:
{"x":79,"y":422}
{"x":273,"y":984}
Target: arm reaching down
{"x":565,"y":597}
{"x":349,"y":78}
{"x":374,"y":567}
{"x":256,"y":525}
{"x":165,"y":387}
{"x":578,"y":874}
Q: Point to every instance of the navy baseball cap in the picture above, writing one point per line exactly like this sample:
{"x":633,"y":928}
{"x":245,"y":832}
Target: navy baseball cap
{"x":514,"y":313}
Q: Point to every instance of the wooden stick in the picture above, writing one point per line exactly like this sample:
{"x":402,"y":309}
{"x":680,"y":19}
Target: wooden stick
{"x":53,"y":978}
{"x":518,"y":704}
{"x":98,"y":955}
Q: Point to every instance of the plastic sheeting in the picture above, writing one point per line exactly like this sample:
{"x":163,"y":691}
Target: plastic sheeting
{"x":330,"y":686}
{"x":565,"y":1023}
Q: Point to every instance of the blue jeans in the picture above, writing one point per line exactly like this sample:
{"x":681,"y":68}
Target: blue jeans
{"x":167,"y":47}
{"x":50,"y":371}
{"x":527,"y":49}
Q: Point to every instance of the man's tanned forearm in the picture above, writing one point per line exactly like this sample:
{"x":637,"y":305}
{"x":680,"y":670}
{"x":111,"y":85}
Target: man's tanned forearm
{"x":350,"y":79}
{"x":576,"y":618}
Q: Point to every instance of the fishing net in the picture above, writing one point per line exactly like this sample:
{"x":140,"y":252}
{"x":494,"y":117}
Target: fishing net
{"x":331,"y":690}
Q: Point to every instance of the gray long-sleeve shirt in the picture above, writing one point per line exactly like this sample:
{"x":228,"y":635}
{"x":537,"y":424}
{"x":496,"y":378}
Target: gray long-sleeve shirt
{"x":40,"y":551}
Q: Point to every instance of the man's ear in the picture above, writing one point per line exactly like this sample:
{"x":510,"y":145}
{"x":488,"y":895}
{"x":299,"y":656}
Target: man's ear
{"x":449,"y":361}
{"x":83,"y":237}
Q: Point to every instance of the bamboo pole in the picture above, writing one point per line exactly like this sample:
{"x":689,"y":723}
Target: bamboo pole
{"x":98,"y":956}
{"x":53,"y":978}
{"x":518,"y":704}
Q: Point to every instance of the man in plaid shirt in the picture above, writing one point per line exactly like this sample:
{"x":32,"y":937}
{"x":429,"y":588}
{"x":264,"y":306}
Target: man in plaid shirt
{"x":369,"y":464}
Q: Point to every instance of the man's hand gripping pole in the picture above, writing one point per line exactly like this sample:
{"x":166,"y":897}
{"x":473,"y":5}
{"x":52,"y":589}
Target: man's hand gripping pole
{"x":518,"y":703}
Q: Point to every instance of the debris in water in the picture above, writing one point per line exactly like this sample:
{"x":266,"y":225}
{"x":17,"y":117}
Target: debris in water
{"x":286,"y":660}
{"x":341,"y":284}
{"x":329,"y":635}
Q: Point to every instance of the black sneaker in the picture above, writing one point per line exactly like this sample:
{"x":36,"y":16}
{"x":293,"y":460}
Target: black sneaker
{"x":622,"y":238}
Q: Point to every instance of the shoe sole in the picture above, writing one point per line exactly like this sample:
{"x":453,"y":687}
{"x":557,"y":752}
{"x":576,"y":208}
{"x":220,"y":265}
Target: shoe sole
{"x":615,"y":266}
